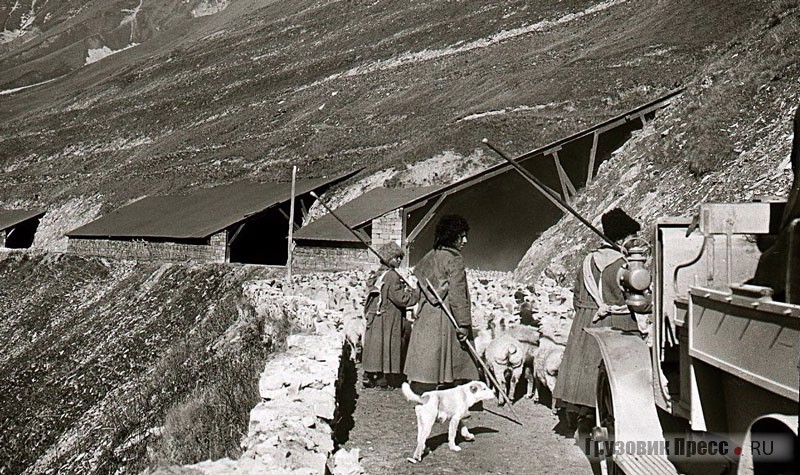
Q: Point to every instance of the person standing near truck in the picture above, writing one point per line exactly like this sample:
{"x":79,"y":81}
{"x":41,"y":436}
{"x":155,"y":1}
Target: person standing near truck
{"x":771,"y":270}
{"x":598,"y":302}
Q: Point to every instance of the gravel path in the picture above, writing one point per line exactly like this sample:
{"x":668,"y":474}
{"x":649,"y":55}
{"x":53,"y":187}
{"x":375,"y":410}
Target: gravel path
{"x":385,"y":432}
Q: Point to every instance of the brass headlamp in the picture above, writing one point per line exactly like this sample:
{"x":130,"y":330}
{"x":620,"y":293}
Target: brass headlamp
{"x":635,"y":278}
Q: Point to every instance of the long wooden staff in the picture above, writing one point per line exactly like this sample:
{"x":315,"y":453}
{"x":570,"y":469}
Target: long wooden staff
{"x":474,"y":353}
{"x":472,"y":350}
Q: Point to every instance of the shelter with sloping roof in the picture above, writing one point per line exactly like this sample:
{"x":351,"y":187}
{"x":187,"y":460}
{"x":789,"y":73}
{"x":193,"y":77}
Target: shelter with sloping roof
{"x":18,"y":227}
{"x":505,"y":213}
{"x":379,"y":216}
{"x":244,"y":222}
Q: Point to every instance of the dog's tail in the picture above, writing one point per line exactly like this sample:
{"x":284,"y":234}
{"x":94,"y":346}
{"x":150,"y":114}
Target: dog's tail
{"x":411,"y":395}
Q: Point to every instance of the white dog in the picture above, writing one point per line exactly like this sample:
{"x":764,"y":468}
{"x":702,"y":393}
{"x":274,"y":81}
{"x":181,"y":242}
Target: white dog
{"x":438,"y":406}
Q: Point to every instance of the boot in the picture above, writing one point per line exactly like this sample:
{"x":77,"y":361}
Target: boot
{"x":369,"y":380}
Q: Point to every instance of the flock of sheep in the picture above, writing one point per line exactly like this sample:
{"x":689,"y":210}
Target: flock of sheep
{"x":512,"y":350}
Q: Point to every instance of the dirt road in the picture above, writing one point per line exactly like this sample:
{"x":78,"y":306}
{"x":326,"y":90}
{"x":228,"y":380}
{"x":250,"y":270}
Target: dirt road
{"x":385,"y":432}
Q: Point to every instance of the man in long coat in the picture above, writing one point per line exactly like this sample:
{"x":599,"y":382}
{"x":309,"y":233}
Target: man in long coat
{"x":385,"y":313}
{"x":598,"y":302}
{"x":436,"y":356}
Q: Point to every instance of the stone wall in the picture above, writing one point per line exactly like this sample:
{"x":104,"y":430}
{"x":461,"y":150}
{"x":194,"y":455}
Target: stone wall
{"x":387,"y":228}
{"x":329,"y":258}
{"x":291,"y":430}
{"x":214,"y":251}
{"x":2,"y":238}
{"x":317,"y":258}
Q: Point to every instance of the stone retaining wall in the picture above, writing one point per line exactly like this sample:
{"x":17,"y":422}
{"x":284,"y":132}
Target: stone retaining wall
{"x":290,"y":429}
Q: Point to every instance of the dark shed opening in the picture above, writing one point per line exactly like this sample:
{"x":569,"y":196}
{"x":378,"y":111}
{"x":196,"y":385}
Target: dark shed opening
{"x":21,"y":236}
{"x":506,"y":213}
{"x":19,"y":227}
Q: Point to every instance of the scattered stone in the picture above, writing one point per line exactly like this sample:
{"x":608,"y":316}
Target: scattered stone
{"x":289,"y":431}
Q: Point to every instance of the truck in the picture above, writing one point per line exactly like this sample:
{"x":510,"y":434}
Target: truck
{"x":717,"y":379}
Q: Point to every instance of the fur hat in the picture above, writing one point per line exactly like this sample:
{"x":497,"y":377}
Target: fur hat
{"x":390,"y":250}
{"x":617,"y":225}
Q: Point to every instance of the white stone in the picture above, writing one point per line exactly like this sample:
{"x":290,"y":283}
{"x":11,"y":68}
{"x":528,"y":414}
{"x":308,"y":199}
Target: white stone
{"x":325,"y":409}
{"x":269,"y":395}
{"x":309,"y":421}
{"x":346,"y":463}
{"x":272,"y":381}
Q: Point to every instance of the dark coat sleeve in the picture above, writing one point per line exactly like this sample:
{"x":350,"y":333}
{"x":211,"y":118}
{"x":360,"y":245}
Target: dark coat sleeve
{"x":371,"y":300}
{"x":398,"y":292}
{"x":458,"y":296}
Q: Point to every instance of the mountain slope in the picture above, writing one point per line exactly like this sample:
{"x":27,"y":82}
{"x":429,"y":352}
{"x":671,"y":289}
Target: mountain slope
{"x":96,"y":353}
{"x":258,"y":86}
{"x":332,"y":85}
{"x":727,"y":139}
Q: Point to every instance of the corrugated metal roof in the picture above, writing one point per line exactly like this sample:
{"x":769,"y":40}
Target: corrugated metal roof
{"x":361,"y":211}
{"x":12,"y":217}
{"x":196,"y":215}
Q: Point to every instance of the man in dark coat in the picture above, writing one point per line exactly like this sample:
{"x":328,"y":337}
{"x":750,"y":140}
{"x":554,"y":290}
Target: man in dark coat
{"x":598,"y":302}
{"x":436,"y":357}
{"x":385,"y":313}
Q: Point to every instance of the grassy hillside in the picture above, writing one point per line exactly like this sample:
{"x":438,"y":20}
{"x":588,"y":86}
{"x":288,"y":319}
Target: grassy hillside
{"x":330,"y":85}
{"x":97,"y":353}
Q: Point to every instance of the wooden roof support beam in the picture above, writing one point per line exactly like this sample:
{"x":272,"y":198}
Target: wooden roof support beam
{"x":416,"y":206}
{"x":230,"y":242}
{"x":303,"y":210}
{"x":236,"y":234}
{"x":592,"y":156}
{"x":403,"y":240}
{"x":567,"y":188}
{"x":296,"y":226}
{"x":426,"y":219}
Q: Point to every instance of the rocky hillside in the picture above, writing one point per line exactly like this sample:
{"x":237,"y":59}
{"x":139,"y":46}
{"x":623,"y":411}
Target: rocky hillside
{"x":727,"y":139}
{"x":328,"y":85}
{"x":203,"y":92}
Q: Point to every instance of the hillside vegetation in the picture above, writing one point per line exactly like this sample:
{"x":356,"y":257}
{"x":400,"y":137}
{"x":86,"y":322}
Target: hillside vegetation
{"x":727,"y":139}
{"x":327,"y":85}
{"x":97,"y":353}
